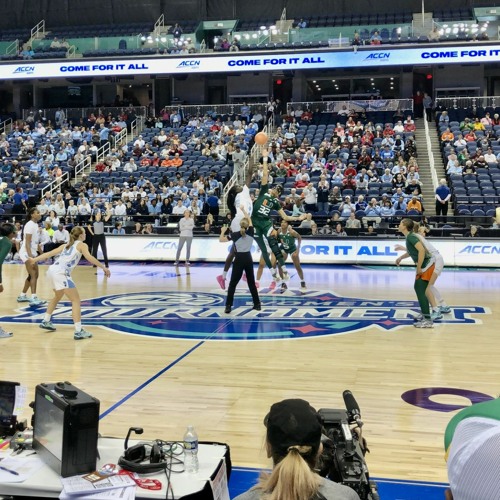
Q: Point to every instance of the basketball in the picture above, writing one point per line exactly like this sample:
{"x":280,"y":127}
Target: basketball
{"x":260,"y":138}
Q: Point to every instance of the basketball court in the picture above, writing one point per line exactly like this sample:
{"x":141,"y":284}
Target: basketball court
{"x":165,"y":355}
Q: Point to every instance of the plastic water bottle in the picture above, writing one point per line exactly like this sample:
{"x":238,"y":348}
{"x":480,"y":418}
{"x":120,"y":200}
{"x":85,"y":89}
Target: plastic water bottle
{"x":191,"y":464}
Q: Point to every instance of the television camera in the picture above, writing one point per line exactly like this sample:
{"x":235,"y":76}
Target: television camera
{"x":344,"y":449}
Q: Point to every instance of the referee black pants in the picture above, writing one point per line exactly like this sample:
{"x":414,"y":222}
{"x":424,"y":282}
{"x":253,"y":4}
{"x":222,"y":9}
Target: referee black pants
{"x":100,"y":239}
{"x":243,"y":263}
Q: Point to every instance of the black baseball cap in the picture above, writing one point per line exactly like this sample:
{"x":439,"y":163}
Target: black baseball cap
{"x":293,"y":422}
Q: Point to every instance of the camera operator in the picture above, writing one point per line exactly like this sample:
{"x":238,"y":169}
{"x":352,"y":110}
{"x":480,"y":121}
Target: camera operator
{"x":293,"y":441}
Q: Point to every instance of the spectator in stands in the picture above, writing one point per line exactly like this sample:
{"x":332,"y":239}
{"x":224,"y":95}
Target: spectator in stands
{"x":307,"y":222}
{"x":339,"y":230}
{"x":490,"y":157}
{"x":356,"y":41}
{"x":473,"y":232}
{"x":469,"y":169}
{"x":310,"y":195}
{"x":466,"y":125}
{"x":480,"y":163}
{"x":478,"y":125}
{"x":486,"y":120}
{"x":409,"y":124}
{"x":27,"y":52}
{"x":444,"y":118}
{"x":177,"y":32}
{"x":400,"y":203}
{"x":55,"y":44}
{"x":118,"y":230}
{"x":447,"y":137}
{"x":414,"y":205}
{"x":470,"y":136}
{"x":433,"y":35}
{"x":352,"y":222}
{"x":323,"y":190}
{"x":387,"y":154}
{"x":346,"y":207}
{"x":427,"y":103}
{"x":387,"y":210}
{"x":375,"y":38}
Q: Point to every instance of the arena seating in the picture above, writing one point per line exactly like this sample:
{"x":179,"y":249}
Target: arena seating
{"x":475,"y":194}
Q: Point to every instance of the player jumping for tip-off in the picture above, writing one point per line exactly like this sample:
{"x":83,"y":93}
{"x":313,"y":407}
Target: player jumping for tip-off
{"x":267,"y":201}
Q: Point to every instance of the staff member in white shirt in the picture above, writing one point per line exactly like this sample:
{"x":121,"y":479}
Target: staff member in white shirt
{"x":61,"y":235}
{"x":186,"y":226}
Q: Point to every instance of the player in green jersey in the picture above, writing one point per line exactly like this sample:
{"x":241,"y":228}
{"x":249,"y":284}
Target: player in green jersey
{"x":7,"y":234}
{"x":267,"y":201}
{"x":425,"y":268}
{"x":290,"y":242}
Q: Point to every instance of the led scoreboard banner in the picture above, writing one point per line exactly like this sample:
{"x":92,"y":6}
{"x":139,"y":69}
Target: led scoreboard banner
{"x":245,"y":61}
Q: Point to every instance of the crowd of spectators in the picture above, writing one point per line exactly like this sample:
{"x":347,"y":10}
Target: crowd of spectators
{"x":347,"y":172}
{"x":353,"y":171}
{"x":471,"y":155}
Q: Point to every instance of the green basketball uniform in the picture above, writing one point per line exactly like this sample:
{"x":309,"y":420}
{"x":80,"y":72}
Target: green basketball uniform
{"x":262,"y":208}
{"x":287,"y":242}
{"x":411,"y":240}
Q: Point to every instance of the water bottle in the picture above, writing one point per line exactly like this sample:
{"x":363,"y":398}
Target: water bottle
{"x":191,"y":464}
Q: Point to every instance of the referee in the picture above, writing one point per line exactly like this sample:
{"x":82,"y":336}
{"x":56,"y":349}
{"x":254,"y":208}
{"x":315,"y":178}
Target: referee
{"x":98,"y":236}
{"x":243,"y":263}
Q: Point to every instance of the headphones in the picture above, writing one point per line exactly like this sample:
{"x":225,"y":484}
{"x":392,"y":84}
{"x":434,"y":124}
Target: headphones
{"x":143,"y":458}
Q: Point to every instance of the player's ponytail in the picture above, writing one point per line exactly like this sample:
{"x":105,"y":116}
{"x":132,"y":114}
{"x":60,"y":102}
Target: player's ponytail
{"x":74,"y":235}
{"x":243,"y":227}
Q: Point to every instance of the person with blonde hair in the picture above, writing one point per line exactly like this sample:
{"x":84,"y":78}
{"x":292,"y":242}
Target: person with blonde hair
{"x":243,"y":263}
{"x":293,"y":441}
{"x":59,"y":274}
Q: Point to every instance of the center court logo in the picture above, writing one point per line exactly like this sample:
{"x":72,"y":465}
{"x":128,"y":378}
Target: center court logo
{"x":200,"y":315}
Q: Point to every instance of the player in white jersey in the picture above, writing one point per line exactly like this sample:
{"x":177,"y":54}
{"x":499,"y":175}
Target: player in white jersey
{"x":28,"y":251}
{"x":59,"y":274}
{"x":242,"y":199}
{"x":437,"y":302}
{"x":237,"y":197}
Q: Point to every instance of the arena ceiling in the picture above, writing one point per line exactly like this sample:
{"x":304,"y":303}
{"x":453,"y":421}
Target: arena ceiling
{"x":27,"y":13}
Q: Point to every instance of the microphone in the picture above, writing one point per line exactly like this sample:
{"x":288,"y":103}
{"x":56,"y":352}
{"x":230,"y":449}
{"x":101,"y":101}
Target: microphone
{"x":352,"y":407}
{"x":137,"y":430}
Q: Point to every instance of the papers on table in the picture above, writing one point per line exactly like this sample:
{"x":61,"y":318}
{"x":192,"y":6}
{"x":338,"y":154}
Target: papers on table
{"x":121,"y":487}
{"x":19,"y":469}
{"x":127,"y":493}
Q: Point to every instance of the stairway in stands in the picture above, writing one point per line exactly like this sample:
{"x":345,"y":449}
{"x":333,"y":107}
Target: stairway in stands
{"x":424,"y":168}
